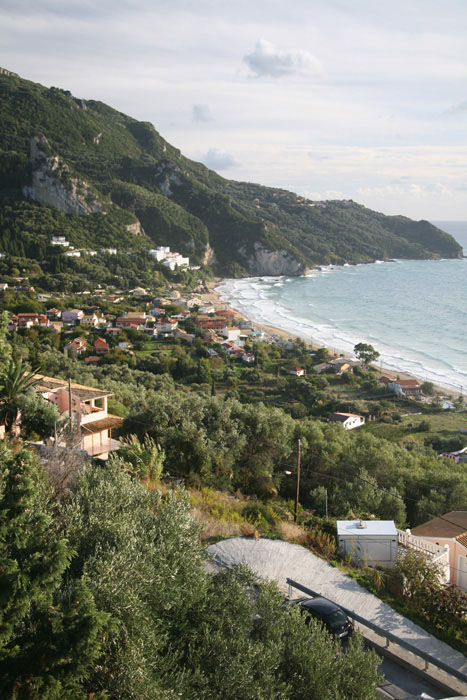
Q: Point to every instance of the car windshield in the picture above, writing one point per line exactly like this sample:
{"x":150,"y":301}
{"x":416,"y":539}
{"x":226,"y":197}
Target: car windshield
{"x":336,"y":619}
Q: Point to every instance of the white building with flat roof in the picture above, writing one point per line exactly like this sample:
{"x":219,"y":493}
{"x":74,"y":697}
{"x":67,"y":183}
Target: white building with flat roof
{"x":368,"y":542}
{"x":59,"y":240}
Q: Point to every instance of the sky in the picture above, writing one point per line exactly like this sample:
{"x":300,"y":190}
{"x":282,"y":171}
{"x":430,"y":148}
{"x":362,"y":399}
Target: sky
{"x":332,"y":99}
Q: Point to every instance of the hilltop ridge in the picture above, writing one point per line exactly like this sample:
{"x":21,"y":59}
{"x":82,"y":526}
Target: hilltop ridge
{"x":64,"y":159}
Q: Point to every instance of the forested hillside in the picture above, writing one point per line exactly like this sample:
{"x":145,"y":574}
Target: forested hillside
{"x":79,"y":168}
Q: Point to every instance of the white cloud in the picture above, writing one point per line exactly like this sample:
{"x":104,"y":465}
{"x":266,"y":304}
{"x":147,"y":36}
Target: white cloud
{"x":217,"y":159}
{"x":201,"y":113}
{"x":459,"y":108}
{"x":268,"y":60}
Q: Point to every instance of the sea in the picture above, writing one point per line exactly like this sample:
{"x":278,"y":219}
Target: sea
{"x":413,"y":312}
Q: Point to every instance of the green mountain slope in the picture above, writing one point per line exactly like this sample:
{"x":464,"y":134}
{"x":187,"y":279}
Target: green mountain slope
{"x":82,"y":169}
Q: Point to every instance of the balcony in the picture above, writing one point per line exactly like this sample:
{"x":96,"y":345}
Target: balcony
{"x":100,"y":448}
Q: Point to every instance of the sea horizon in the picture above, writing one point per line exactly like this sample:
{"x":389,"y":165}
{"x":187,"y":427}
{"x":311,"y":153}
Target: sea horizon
{"x":411,"y":311}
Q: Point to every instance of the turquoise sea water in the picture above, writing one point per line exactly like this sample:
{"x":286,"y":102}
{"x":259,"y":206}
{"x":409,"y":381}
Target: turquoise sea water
{"x":414,"y":312}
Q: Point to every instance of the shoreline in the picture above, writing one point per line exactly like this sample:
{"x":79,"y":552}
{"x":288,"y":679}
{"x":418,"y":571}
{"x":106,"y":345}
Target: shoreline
{"x":213,"y":297}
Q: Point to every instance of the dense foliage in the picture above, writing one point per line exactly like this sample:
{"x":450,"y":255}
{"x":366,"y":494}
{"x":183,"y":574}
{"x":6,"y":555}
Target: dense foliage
{"x":105,"y":595}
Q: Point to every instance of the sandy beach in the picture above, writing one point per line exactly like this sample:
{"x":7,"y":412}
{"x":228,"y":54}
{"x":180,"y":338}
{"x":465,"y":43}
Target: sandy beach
{"x":212,"y":297}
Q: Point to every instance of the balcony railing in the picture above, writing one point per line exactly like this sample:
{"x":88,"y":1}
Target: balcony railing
{"x":100,"y":447}
{"x":437,"y":554}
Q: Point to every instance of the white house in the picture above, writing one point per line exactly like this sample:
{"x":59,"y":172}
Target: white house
{"x":249,"y":358}
{"x":160,"y":253}
{"x":73,"y":254}
{"x":166,"y":325}
{"x":89,"y":320}
{"x":368,"y":542}
{"x":176,"y":260}
{"x":297,"y":372}
{"x":109,"y":251}
{"x":347,"y":420}
{"x":59,"y":240}
{"x":231,"y":334}
{"x":170,"y":259}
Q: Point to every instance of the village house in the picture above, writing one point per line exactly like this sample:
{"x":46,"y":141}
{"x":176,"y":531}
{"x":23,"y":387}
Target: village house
{"x":90,"y":417}
{"x":183,"y":335}
{"x":297,"y":372}
{"x":349,"y":421}
{"x":134,"y":320}
{"x":459,"y":456}
{"x":101,"y":347}
{"x":342,"y":364}
{"x":231,"y":334}
{"x":59,"y":240}
{"x":233,"y":350}
{"x":215,"y":322}
{"x":166,"y":325}
{"x":92,"y":359}
{"x":56,"y":326}
{"x":91,"y":320}
{"x":25,"y":320}
{"x":451,"y":530}
{"x":151,"y":331}
{"x":227,"y":314}
{"x":406,"y":387}
{"x":75,"y":347}
{"x":72,"y":316}
{"x":12,"y":323}
{"x":249,"y":358}
{"x":53,"y":314}
{"x":112,"y":331}
{"x":210,"y":335}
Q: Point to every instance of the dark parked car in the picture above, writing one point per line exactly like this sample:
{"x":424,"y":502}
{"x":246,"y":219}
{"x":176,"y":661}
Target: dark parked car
{"x":331,"y":615}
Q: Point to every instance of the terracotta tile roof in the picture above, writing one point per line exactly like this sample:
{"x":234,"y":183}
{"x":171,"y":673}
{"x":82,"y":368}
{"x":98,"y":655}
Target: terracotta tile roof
{"x":462,"y":539}
{"x":407,"y":382}
{"x":451,"y":525}
{"x":343,"y":416}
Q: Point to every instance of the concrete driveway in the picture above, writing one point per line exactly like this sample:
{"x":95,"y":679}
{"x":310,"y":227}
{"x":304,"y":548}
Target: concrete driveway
{"x":278,"y":560}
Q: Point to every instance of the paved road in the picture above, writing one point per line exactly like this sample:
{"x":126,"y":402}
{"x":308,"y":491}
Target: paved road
{"x":278,"y":560}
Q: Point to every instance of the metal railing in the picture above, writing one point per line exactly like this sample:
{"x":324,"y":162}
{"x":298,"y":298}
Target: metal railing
{"x":427,"y":658}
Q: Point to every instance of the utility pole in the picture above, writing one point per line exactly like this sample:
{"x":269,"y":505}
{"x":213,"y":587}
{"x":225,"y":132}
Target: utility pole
{"x":298,"y":483}
{"x":326,"y":503}
{"x":69,"y":411}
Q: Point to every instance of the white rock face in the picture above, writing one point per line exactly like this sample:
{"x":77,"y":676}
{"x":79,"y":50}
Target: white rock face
{"x":209,"y":257}
{"x":269,"y":262}
{"x":136,"y":228}
{"x":53,"y":184}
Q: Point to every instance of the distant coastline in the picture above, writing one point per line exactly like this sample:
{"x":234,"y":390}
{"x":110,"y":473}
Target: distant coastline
{"x":255,"y":294}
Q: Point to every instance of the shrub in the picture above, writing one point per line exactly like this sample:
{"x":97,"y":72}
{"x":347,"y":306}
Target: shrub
{"x":260,"y":515}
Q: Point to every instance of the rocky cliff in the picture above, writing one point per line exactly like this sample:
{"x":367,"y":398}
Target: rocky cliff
{"x":53,"y":183}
